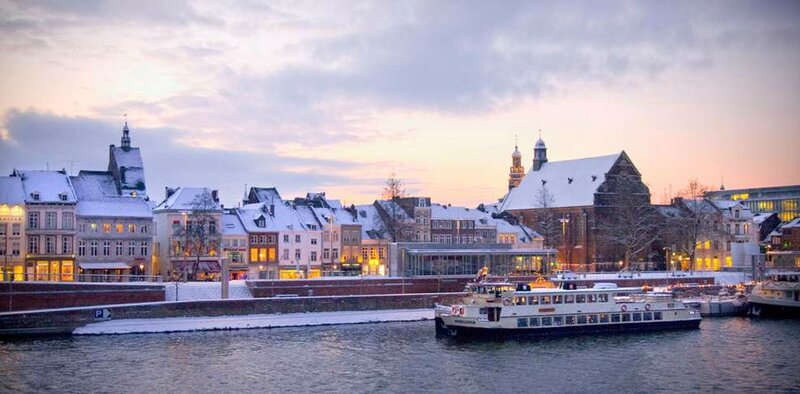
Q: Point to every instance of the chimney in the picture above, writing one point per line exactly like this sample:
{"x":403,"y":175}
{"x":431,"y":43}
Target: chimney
{"x":215,"y":195}
{"x":168,"y":191}
{"x":272,"y":209}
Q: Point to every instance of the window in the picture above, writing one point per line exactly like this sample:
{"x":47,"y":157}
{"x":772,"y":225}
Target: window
{"x":626,"y":317}
{"x":66,"y":245}
{"x":49,"y":244}
{"x":591,"y":298}
{"x":569,"y":299}
{"x":119,"y":227}
{"x":521,"y":300}
{"x":2,"y":249}
{"x":615,"y":318}
{"x":131,"y":248}
{"x":106,"y":248}
{"x":533,"y":300}
{"x":593,"y":319}
{"x":253,"y":239}
{"x":602,"y":298}
{"x":3,"y":228}
{"x":558,"y":321}
{"x":523,"y":322}
{"x":637,"y":316}
{"x":545,"y":300}
{"x":335,"y":254}
{"x":580,"y":298}
{"x":118,"y":249}
{"x":569,"y":320}
{"x":297,"y":238}
{"x":81,"y":248}
{"x":93,"y":248}
{"x":93,"y":227}
{"x":50,"y":220}
{"x":106,"y":228}
{"x":285,"y":237}
{"x":558,"y":299}
{"x":582,"y":319}
{"x":603,"y":318}
{"x":33,"y":220}
{"x":15,"y":229}
{"x":272,"y":239}
{"x":297,"y":255}
{"x":546,"y":321}
{"x":647,"y":316}
{"x":15,"y":248}
{"x":143,"y":248}
{"x":657,"y":316}
{"x":285,"y":254}
{"x":313,"y":241}
{"x":313,"y":256}
{"x":143,"y":229}
{"x":262,"y":239}
{"x":67,"y":220}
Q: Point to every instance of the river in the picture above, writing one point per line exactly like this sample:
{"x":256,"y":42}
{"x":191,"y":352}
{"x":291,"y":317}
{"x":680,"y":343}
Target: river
{"x":725,"y":354}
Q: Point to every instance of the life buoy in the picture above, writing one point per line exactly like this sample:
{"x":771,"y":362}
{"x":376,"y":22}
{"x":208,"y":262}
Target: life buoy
{"x":647,"y":307}
{"x":461,"y":311}
{"x":506,"y":302}
{"x":624,"y":308}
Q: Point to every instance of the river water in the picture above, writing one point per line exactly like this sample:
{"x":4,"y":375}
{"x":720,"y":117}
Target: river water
{"x":725,"y":354}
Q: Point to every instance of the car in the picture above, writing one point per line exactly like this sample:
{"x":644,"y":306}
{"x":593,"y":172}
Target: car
{"x":564,"y":275}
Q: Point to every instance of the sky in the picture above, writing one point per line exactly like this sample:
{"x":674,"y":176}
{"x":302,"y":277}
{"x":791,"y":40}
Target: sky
{"x":336,"y":96}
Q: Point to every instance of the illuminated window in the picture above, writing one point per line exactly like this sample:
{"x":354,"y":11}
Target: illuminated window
{"x":262,"y":254}
{"x":271,"y":254}
{"x":131,"y":228}
{"x":253,"y":254}
{"x":707,"y":245}
{"x":119,"y":228}
{"x":728,"y":261}
{"x":106,"y":227}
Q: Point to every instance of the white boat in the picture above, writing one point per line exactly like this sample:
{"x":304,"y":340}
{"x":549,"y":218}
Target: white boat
{"x":778,"y":296}
{"x":504,"y":309}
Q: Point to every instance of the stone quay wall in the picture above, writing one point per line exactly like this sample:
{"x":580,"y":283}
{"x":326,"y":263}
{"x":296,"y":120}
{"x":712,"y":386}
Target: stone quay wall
{"x":64,"y":321}
{"x":23,"y":296}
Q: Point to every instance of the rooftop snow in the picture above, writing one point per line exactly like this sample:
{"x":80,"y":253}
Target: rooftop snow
{"x":94,"y":185}
{"x":128,"y":159}
{"x":11,"y":191}
{"x":231,"y":225}
{"x":115,"y":207}
{"x":571,"y":183}
{"x":182,"y":199}
{"x":50,"y":185}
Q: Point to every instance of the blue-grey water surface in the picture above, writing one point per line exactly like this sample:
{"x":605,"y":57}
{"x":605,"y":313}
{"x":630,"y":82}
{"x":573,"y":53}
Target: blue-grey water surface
{"x":731,"y":354}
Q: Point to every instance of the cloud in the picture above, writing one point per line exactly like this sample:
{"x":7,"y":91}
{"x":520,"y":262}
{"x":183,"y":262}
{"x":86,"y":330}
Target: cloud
{"x":37,"y":140}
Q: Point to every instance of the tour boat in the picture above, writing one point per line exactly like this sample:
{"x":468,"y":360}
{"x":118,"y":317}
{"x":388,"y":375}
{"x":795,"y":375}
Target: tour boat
{"x":503,"y":309}
{"x":778,"y":296}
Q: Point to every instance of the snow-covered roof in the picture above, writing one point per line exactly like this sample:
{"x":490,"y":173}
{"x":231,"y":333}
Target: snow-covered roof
{"x":282,"y":218}
{"x":94,"y":185}
{"x":264,"y":194}
{"x":372,"y":226}
{"x":393,"y":208}
{"x":794,"y":223}
{"x":11,"y":191}
{"x":761,"y":217}
{"x":668,"y":211}
{"x":231,"y":225}
{"x":183,"y":197}
{"x":131,"y":158}
{"x":49,"y":185}
{"x":444,"y":212}
{"x":115,"y":207}
{"x":131,"y":169}
{"x":305,"y":215}
{"x":570,"y":183}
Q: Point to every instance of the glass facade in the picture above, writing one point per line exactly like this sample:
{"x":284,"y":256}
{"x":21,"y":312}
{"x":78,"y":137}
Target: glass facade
{"x":414,"y":260}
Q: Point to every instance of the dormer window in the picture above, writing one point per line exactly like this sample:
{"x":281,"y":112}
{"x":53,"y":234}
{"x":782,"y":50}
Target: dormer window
{"x":35,"y":196}
{"x":261,"y":222}
{"x":736,"y":214}
{"x":62,"y":196}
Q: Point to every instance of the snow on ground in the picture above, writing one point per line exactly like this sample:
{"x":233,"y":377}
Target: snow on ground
{"x":190,"y":291}
{"x":178,"y":324}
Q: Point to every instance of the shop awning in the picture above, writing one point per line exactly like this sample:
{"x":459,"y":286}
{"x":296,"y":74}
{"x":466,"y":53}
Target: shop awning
{"x":104,"y":266}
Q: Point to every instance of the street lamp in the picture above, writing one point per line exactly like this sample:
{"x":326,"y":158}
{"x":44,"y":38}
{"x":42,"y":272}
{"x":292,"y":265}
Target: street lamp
{"x":564,"y":220}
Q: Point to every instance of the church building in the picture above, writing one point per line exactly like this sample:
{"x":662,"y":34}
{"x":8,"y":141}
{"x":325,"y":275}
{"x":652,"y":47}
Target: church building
{"x":567,"y":201}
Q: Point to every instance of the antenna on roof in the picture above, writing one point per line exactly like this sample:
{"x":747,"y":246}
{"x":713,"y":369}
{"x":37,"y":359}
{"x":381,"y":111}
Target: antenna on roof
{"x":516,"y":141}
{"x":721,"y":182}
{"x":540,"y":133}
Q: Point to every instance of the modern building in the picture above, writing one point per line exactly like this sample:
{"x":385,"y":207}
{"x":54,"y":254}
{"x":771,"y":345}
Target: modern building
{"x":569,"y":201}
{"x":12,"y":229}
{"x":188,"y":224}
{"x":427,"y":259}
{"x":785,"y":200}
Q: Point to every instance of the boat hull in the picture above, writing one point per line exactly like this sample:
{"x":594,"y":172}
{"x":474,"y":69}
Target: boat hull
{"x":766,"y":308}
{"x":497,"y":333}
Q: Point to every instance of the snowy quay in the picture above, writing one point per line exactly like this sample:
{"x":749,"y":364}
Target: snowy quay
{"x":225,"y":314}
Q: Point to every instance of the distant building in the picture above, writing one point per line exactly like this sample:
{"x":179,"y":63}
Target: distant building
{"x":179,"y":254}
{"x":517,"y":171}
{"x":12,"y":229}
{"x":577,"y":195}
{"x":783,"y":251}
{"x":784,"y":200}
{"x":126,"y":165}
{"x":234,"y":245}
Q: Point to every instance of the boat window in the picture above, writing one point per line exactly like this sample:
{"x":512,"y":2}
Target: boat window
{"x":533,"y":300}
{"x":482,"y":311}
{"x":521,"y":300}
{"x":591,"y":298}
{"x":558,"y":321}
{"x":569,"y":299}
{"x":615,"y":318}
{"x":657,"y":316}
{"x":522,"y":322}
{"x":603,"y":318}
{"x":547,"y":321}
{"x":535,"y":322}
{"x":626,"y":317}
{"x":580,"y":298}
{"x":558,"y":299}
{"x":581,"y":319}
{"x":602,"y":298}
{"x":637,"y":316}
{"x":593,"y":319}
{"x":648,"y":316}
{"x":545,"y":300}
{"x":569,"y":320}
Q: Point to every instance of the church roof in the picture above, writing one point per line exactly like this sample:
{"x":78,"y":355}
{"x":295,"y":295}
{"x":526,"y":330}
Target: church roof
{"x":570,"y":183}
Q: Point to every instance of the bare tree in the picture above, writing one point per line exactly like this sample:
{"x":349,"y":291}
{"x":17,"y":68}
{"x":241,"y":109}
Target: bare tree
{"x":546,"y":222}
{"x":698,"y":219}
{"x":200,"y":234}
{"x":630,"y":223}
{"x":395,"y":221}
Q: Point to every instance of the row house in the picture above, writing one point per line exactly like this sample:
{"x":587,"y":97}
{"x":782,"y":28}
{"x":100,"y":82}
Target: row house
{"x":115,"y":231}
{"x":50,"y":206}
{"x":418,"y":209}
{"x":234,"y":245}
{"x":12,"y":228}
{"x":374,"y":240}
{"x":783,"y":250}
{"x":188,"y":225}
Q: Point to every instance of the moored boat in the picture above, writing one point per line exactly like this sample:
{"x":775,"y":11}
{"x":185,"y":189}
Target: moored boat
{"x":777,"y":296}
{"x":503,"y":309}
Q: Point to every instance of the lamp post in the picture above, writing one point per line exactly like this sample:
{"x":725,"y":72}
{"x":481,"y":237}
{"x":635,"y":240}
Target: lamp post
{"x":666,"y":259}
{"x":564,"y":221}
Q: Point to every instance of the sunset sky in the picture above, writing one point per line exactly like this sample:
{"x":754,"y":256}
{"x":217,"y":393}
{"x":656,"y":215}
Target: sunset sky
{"x":334,"y":96}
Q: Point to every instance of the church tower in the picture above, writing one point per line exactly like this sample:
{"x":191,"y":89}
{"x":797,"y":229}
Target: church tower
{"x":517,"y":171}
{"x":539,"y":153}
{"x":126,"y":138}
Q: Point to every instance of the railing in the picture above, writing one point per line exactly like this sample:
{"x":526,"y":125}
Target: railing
{"x":83,"y":278}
